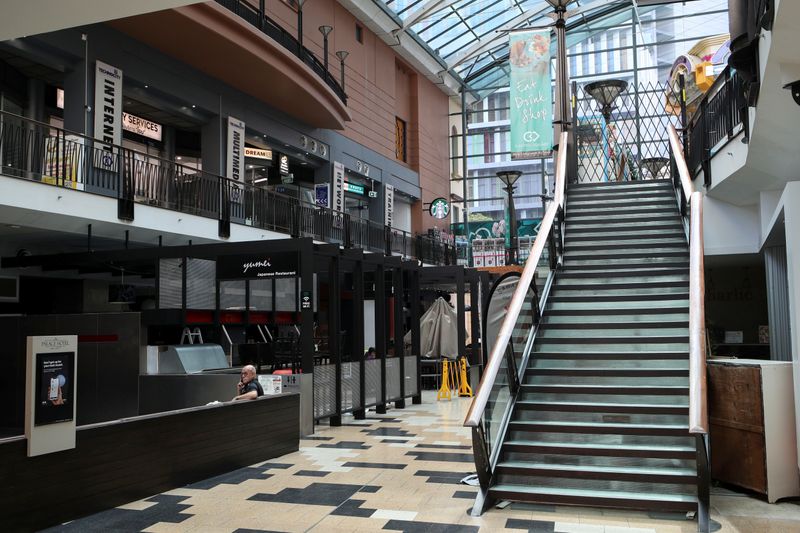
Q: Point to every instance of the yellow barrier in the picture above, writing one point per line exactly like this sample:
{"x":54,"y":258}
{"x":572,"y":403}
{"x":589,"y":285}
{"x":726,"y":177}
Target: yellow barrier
{"x":444,"y":390}
{"x":464,"y":389}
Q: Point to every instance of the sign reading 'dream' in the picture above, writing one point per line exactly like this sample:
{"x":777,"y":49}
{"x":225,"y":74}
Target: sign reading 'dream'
{"x":257,"y":153}
{"x":141,"y":126}
{"x":530,"y":94}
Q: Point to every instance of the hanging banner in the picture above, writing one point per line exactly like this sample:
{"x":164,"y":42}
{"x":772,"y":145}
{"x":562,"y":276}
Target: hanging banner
{"x":107,"y":112}
{"x":388,"y":206}
{"x":235,"y":149}
{"x":531,"y":97}
{"x":338,"y":186}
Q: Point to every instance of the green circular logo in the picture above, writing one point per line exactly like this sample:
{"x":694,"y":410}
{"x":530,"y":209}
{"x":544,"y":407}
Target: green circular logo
{"x":440,"y":208}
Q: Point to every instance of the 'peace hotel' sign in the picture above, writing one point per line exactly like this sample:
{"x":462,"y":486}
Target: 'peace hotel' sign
{"x":531,"y":94}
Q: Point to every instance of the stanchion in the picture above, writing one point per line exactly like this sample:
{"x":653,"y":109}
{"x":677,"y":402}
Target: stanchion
{"x":463,"y":388}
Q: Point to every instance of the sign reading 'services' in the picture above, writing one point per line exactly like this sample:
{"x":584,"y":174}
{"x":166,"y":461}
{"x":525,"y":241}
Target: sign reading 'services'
{"x":531,"y":94}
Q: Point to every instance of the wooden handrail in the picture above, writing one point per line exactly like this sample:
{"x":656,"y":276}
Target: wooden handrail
{"x":698,"y":408}
{"x":680,"y":160}
{"x":698,"y":405}
{"x":518,"y":299}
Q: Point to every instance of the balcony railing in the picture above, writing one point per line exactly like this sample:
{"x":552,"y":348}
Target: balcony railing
{"x":718,"y":117}
{"x":39,"y":152}
{"x":259,"y":20}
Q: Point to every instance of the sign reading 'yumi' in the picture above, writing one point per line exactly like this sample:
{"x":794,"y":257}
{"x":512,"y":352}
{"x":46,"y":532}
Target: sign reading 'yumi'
{"x":531,"y":95}
{"x":270,"y":265}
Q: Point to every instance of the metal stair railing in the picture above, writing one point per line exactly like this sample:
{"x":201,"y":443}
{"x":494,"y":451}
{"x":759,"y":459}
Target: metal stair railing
{"x":690,"y":203}
{"x":497,"y":392}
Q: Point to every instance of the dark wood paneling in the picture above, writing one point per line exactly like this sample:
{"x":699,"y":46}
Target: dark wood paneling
{"x":120,"y":462}
{"x":736,"y":419}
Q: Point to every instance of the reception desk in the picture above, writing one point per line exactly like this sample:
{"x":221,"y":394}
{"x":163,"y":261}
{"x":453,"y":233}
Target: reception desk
{"x":125,"y":460}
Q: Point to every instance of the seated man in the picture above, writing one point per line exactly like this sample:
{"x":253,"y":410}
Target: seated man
{"x":249,"y":388}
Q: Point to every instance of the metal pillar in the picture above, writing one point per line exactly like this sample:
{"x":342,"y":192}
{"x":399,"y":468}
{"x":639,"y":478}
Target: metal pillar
{"x":562,"y":75}
{"x":358,"y":333}
{"x":334,"y":314}
{"x":416,"y":348}
{"x":380,"y":333}
{"x":399,"y":326}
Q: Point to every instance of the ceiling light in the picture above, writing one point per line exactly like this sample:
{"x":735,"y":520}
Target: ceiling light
{"x":146,"y":86}
{"x":193,"y":106}
{"x":259,"y":180}
{"x":178,"y":158}
{"x":14,"y":226}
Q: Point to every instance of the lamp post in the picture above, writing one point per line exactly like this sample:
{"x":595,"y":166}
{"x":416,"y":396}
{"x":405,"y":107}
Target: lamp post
{"x":509,"y":178}
{"x":342,"y":55}
{"x":562,"y":106}
{"x":605,"y":93}
{"x":300,"y":24}
{"x":325,"y":30}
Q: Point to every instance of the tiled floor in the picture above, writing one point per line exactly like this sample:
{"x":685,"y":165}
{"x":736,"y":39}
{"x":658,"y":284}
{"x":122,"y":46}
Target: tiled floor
{"x":395,"y":472}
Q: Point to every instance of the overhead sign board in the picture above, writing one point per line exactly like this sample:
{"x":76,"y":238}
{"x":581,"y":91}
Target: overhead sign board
{"x":322,"y":196}
{"x":107,"y":112}
{"x":257,"y":153}
{"x":338,"y":186}
{"x":354,"y":188}
{"x":388,"y":205}
{"x":283,"y":163}
{"x":141,"y":126}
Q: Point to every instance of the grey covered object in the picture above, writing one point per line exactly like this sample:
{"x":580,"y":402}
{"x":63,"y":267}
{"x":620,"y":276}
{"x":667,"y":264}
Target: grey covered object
{"x":438,"y":331}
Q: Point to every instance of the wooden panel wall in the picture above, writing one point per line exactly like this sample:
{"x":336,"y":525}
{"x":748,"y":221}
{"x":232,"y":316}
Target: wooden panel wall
{"x":119,"y":462}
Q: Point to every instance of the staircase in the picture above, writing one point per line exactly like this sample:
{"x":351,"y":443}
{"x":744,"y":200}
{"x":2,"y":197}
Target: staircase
{"x":602,"y":415}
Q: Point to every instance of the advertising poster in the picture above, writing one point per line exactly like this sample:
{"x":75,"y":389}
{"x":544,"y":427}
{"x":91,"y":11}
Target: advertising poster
{"x":322,"y":194}
{"x":54,"y":388}
{"x":107,"y":113}
{"x":531,"y":97}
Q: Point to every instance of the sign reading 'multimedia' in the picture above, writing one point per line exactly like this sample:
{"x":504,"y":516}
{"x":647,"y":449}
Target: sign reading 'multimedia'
{"x":530,"y":94}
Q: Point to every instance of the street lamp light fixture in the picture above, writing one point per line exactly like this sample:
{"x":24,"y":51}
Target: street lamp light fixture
{"x":342,"y":55}
{"x":605,"y":93}
{"x":300,"y":24}
{"x":509,"y":178}
{"x":325,"y":30}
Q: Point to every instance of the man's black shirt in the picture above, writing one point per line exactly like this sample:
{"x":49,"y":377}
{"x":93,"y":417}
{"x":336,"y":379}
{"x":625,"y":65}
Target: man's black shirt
{"x":252,"y":386}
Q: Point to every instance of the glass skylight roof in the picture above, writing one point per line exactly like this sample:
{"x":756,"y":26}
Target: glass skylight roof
{"x":471,"y":37}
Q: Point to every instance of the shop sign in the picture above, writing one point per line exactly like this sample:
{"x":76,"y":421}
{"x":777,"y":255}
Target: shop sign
{"x":235,"y":148}
{"x":283,"y":163}
{"x":338,"y":186}
{"x":141,"y":126}
{"x":268,"y":265}
{"x":354,"y":188}
{"x":440,"y":208}
{"x":322,"y":194}
{"x":257,"y":153}
{"x":305,"y":300}
{"x":107,"y":112}
{"x":388,"y":205}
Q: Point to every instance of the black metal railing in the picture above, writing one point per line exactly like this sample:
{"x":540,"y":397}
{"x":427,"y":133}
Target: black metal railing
{"x":255,"y":18}
{"x":36,"y":151}
{"x":717,"y":118}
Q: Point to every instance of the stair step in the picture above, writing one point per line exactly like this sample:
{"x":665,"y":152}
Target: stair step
{"x":628,"y":217}
{"x":586,"y":407}
{"x":610,"y":316}
{"x":655,"y":272}
{"x":630,"y":244}
{"x":614,"y":325}
{"x":617,"y":473}
{"x":611,"y":225}
{"x":621,"y":185}
{"x":550,"y":426}
{"x":578,"y":195}
{"x":608,"y":372}
{"x":624,"y":264}
{"x":611,"y":356}
{"x":648,"y":299}
{"x":617,"y":390}
{"x":612,"y":239}
{"x":605,"y":450}
{"x":613,"y":336}
{"x":598,"y":498}
{"x":637,"y":253}
{"x":616,"y":284}
{"x":626,"y":212}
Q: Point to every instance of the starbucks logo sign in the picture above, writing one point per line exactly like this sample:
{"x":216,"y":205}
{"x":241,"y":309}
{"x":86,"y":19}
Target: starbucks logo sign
{"x":440,"y":208}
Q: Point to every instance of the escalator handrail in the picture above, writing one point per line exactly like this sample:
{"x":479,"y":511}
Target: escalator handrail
{"x":518,"y":299}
